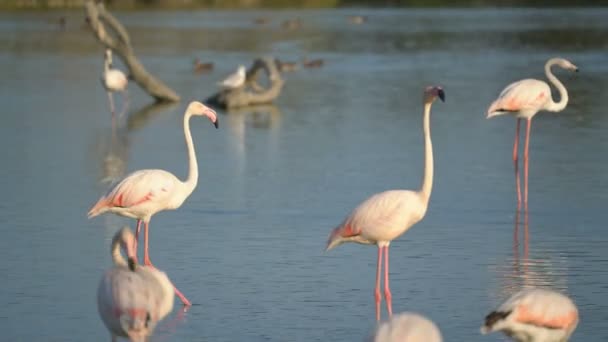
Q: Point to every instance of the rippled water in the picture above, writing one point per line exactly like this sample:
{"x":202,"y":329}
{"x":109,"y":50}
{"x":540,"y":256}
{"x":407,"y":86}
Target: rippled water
{"x":247,"y":246}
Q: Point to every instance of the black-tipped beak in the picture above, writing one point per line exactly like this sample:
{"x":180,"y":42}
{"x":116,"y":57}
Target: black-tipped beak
{"x":576,"y":69}
{"x":216,"y":123}
{"x":441,"y":95}
{"x":132,"y":264}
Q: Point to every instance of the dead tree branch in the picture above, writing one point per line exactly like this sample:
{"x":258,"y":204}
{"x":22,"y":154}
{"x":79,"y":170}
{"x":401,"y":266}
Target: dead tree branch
{"x":100,"y":20}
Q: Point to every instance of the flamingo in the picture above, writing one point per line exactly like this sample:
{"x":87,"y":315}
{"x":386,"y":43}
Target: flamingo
{"x":200,"y":67}
{"x":132,"y":299}
{"x":408,"y":326}
{"x":534,"y":315}
{"x":235,"y":80}
{"x":114,"y":80}
{"x":143,"y":193}
{"x":524,"y":99}
{"x":387,"y":215}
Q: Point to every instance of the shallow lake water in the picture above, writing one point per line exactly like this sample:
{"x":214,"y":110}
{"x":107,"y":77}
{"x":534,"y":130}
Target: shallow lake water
{"x":247,"y":247}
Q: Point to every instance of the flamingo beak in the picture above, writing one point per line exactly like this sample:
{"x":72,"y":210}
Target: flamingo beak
{"x":132,"y":264}
{"x":216,"y":123}
{"x":441,"y":95}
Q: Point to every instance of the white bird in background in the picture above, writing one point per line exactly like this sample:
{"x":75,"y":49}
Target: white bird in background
{"x":523,"y":99}
{"x":408,"y":327}
{"x":235,"y":80}
{"x":132,"y":299}
{"x":114,"y":80}
{"x":385,"y":216}
{"x":534,"y":315}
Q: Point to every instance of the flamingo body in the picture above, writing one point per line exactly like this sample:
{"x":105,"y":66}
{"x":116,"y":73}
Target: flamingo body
{"x":408,"y":327}
{"x":385,"y":216}
{"x":131,"y":299}
{"x":523,"y":99}
{"x":142,"y":194}
{"x":534,"y":315}
{"x":114,"y":80}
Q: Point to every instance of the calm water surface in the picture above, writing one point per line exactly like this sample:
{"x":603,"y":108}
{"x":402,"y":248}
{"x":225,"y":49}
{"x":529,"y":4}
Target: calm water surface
{"x":247,"y":246}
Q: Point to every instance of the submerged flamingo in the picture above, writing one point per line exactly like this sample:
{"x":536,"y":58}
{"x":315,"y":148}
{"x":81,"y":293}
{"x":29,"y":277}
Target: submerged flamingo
{"x":385,"y":216}
{"x":143,"y":193}
{"x":132,"y":299}
{"x":524,"y":99}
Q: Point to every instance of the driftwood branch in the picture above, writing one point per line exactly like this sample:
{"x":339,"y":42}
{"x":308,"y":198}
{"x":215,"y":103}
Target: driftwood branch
{"x":252,"y":93}
{"x":100,"y":20}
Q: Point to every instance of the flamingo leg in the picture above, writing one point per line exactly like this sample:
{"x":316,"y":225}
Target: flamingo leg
{"x":377,"y":295}
{"x":147,"y":262}
{"x":527,"y":148}
{"x":515,"y":163}
{"x":111,"y":101}
{"x":387,"y":291}
{"x":125,"y":103}
{"x":137,"y":230}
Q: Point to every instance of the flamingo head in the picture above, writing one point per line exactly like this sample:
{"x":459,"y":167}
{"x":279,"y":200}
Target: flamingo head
{"x":137,"y":323}
{"x":566,"y":64}
{"x":127,"y":241}
{"x":197,"y":108}
{"x":433,"y":92}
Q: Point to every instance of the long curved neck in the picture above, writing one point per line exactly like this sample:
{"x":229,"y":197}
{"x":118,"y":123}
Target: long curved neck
{"x":427,"y":181}
{"x":192,"y":179}
{"x":553,"y":106}
{"x":117,"y":258}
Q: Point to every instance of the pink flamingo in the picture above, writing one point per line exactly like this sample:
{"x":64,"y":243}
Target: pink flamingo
{"x":534,"y":315}
{"x":132,"y":299}
{"x":409,"y":327}
{"x":524,"y":99}
{"x":114,"y":80}
{"x":386,"y":215}
{"x":143,"y":193}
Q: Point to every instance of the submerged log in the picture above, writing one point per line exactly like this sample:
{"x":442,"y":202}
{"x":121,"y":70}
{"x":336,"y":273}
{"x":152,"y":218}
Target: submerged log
{"x":251,"y":92}
{"x":117,"y":39}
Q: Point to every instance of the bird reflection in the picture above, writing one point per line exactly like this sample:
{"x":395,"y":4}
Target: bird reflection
{"x":114,"y":151}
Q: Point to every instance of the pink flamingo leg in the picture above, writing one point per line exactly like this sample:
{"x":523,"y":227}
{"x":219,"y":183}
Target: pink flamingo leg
{"x":147,"y":262}
{"x":137,"y":230}
{"x":526,"y":164}
{"x":387,"y":291}
{"x":111,"y":101}
{"x":515,"y":163}
{"x":377,"y":295}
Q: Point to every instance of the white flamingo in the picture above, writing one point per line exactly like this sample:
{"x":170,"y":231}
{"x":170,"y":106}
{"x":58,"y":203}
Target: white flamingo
{"x":143,"y":193}
{"x":132,"y":299}
{"x":534,"y":315}
{"x":385,"y":216}
{"x":235,"y":80}
{"x":525,"y":98}
{"x":114,"y":80}
{"x":408,"y":327}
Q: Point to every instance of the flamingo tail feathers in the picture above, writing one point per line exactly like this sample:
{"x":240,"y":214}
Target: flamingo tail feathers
{"x":100,"y":207}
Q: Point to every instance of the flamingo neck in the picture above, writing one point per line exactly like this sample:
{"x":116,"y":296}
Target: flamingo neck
{"x":553,"y":106}
{"x":192,"y":179}
{"x":427,"y":181}
{"x":117,"y":258}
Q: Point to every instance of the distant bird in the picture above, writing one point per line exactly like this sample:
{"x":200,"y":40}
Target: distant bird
{"x":357,"y":19}
{"x":408,"y":327}
{"x":291,"y":24}
{"x":286,"y":66}
{"x":235,"y":80}
{"x":200,"y":67}
{"x":132,"y":299}
{"x":143,"y":193}
{"x":385,"y":216}
{"x":523,"y":99}
{"x":315,"y":63}
{"x":261,"y":21}
{"x":114,"y":80}
{"x":534,"y":315}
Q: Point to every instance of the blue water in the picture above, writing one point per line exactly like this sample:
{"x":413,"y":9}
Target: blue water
{"x":247,"y":246}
